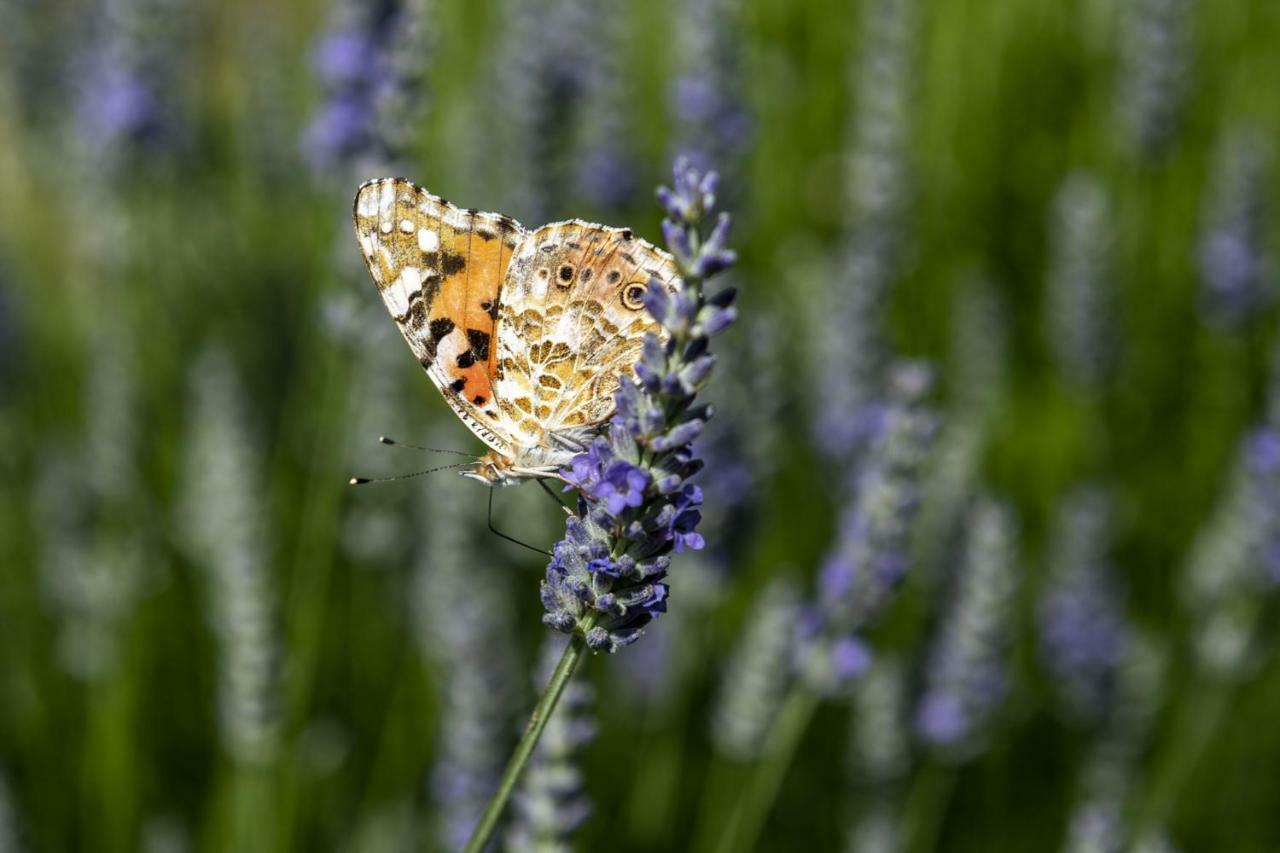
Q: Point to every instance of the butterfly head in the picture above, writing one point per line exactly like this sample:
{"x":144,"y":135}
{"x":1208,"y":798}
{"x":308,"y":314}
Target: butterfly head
{"x":494,"y":469}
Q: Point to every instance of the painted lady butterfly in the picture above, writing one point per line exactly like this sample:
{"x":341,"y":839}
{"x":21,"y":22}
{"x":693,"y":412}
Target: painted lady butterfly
{"x":524,"y":332}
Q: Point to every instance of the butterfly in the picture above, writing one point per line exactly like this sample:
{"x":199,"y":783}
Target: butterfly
{"x":525,"y":333}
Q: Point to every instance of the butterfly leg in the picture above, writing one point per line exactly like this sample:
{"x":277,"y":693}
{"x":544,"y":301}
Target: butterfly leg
{"x":554,"y":497}
{"x":496,"y":532}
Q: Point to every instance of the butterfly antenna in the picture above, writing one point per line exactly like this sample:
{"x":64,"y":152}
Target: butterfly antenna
{"x":360,"y":481}
{"x":496,"y":532}
{"x":391,"y":442}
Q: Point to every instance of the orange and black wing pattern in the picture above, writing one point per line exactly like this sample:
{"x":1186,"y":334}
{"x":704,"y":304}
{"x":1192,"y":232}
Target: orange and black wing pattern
{"x":440,"y":270}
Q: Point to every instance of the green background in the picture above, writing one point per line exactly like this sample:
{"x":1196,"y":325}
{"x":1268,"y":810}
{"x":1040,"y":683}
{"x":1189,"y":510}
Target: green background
{"x":123,"y":281}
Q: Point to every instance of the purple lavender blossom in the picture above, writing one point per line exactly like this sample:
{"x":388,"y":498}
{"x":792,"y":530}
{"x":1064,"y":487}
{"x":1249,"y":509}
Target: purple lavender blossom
{"x":605,"y":580}
{"x":1156,"y":66}
{"x":1082,"y":628}
{"x":548,"y":55}
{"x":119,"y":105}
{"x":1236,"y":269}
{"x":349,"y":61}
{"x":604,"y":175}
{"x":713,"y":125}
{"x":1231,"y":574}
{"x":866,"y":566}
{"x":851,"y":354}
{"x":965,"y":680}
{"x":127,"y":103}
{"x":1262,"y":453}
{"x":370,"y":63}
{"x":621,"y":486}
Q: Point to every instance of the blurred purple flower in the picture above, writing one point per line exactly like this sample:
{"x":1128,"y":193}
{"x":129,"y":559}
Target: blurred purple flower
{"x":860,"y":576}
{"x":344,"y":58}
{"x":128,"y":82}
{"x":118,"y":105}
{"x":370,"y":63}
{"x":606,"y":178}
{"x":712,"y":122}
{"x":942,"y":718}
{"x":1262,"y":454}
{"x":1233,"y":254}
{"x":1082,"y":627}
{"x":604,"y":131}
{"x":851,"y":353}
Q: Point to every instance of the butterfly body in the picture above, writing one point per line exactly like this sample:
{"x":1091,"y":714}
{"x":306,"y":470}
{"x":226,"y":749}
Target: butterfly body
{"x":525,"y":333}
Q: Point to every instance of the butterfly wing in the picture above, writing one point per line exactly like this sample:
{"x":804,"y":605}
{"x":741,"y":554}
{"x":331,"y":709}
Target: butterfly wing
{"x":440,"y":271}
{"x":572,"y":321}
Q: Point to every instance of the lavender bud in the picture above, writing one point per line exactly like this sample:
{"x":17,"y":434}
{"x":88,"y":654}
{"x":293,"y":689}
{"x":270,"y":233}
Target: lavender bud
{"x":756,"y":676}
{"x":1079,"y":308}
{"x":1082,"y":629}
{"x":966,"y":680}
{"x":225,"y":531}
{"x":1155,"y":72}
{"x":862,"y":573}
{"x":1237,"y":271}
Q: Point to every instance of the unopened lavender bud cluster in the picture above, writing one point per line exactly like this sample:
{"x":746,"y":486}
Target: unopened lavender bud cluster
{"x":636,"y":505}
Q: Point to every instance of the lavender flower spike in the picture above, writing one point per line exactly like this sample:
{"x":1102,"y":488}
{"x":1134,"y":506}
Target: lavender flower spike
{"x":1237,"y":269}
{"x":636,"y":505}
{"x":1082,"y":626}
{"x":861,"y":574}
{"x":756,"y":678}
{"x":966,"y":679}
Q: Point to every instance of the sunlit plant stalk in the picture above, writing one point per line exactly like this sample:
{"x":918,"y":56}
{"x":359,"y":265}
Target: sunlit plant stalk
{"x":606,"y":579}
{"x":858,"y":583}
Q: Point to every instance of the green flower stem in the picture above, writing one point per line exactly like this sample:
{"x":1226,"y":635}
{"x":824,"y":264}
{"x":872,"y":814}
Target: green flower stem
{"x":723,"y":781}
{"x":1195,"y":728}
{"x":1196,"y":724}
{"x":528,"y":741}
{"x":784,"y":737}
{"x":926,"y":806}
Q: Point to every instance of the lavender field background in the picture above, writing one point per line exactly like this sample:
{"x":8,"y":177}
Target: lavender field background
{"x":1002,"y":404}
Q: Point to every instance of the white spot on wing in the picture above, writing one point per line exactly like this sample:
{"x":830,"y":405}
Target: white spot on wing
{"x":397,"y":296}
{"x":457,"y":218}
{"x":428,"y":240}
{"x":368,"y":202}
{"x":387,"y":199}
{"x":411,"y":280}
{"x":406,"y":226}
{"x":386,"y":227}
